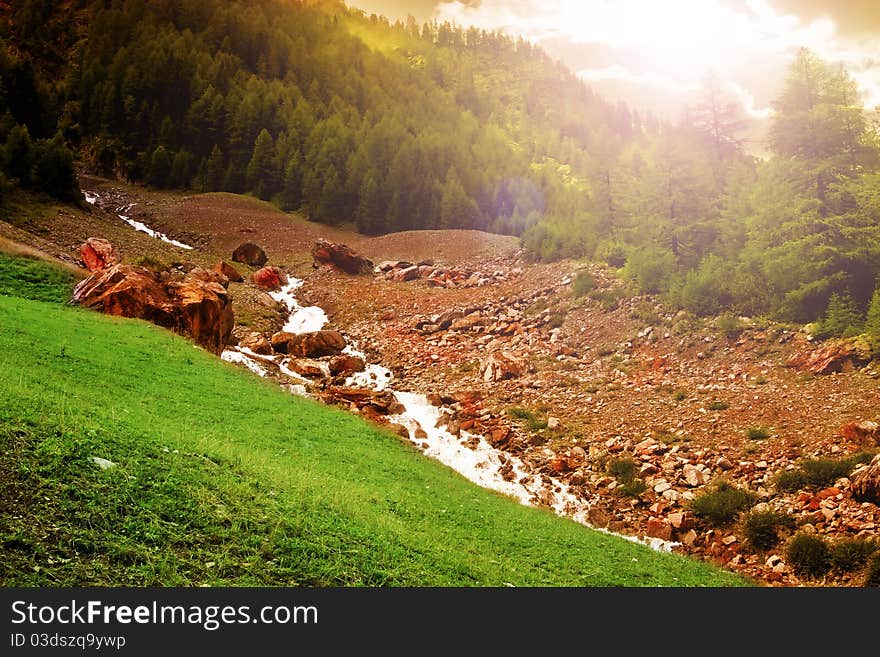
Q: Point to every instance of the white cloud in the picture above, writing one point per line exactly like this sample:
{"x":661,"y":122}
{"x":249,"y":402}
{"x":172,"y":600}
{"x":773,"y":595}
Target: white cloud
{"x":678,"y":41}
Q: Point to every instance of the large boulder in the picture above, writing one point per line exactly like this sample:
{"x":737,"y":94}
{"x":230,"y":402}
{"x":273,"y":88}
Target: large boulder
{"x":250,"y":254}
{"x":257,"y":343}
{"x":341,"y":257}
{"x":228,"y":271}
{"x":196,"y":305}
{"x":831,"y":356}
{"x":269,"y":278}
{"x":502,"y":365}
{"x":97,"y":254}
{"x":866,"y":483}
{"x":309,"y":345}
{"x":346,"y":364}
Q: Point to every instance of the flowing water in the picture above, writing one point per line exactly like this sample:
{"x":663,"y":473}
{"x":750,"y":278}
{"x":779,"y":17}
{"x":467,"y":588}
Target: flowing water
{"x":468,"y":454}
{"x":92,"y":198}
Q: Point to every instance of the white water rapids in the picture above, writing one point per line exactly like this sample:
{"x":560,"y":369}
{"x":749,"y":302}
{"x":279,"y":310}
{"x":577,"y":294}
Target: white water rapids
{"x":482,"y":464}
{"x":92,"y":199}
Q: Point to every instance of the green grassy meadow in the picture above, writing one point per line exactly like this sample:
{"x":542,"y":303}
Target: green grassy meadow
{"x":223,"y":479}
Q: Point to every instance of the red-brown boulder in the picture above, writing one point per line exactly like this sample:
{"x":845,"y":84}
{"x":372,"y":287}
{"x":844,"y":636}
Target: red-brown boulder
{"x":228,"y":271}
{"x":308,"y":345}
{"x":97,"y":254}
{"x":256,"y":342}
{"x":865,"y":433}
{"x":197,"y":305}
{"x":269,"y":278}
{"x":832,"y":356}
{"x":346,"y":364}
{"x":341,"y":257}
{"x":250,"y":254}
{"x":502,"y":365}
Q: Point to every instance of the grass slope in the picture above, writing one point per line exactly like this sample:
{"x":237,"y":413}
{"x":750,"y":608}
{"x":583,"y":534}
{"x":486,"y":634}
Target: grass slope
{"x":223,"y":479}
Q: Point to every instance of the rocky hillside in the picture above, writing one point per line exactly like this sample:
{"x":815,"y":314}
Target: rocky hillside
{"x":729,"y":437}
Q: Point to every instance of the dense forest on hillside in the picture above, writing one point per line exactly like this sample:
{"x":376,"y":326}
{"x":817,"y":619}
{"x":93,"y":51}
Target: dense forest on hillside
{"x":348,"y":117}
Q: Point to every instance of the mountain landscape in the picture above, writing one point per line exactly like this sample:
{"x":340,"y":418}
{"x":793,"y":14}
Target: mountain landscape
{"x":431,"y":257}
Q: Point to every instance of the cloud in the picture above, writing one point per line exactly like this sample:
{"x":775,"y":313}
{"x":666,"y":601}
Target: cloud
{"x":679,"y":41}
{"x":852,"y":17}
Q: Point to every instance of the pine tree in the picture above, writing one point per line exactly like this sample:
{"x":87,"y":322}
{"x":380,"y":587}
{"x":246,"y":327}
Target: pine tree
{"x":371,"y":211}
{"x":842,"y":319}
{"x":54,"y":170}
{"x":261,"y":173}
{"x":160,"y":167}
{"x":18,"y":155}
{"x":291,"y":188}
{"x":214,"y":171}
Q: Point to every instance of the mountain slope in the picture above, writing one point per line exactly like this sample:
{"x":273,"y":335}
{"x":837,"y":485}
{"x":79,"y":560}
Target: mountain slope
{"x":224,"y":479}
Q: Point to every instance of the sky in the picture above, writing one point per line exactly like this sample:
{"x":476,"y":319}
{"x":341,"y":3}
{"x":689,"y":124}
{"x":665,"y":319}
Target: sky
{"x":654,"y":54}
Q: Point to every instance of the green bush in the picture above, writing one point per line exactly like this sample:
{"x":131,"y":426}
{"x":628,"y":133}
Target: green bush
{"x":680,"y":394}
{"x":729,"y":325}
{"x":758,"y":433}
{"x":850,"y":554}
{"x":613,"y":253}
{"x":762,"y":528}
{"x":872,"y":575}
{"x":722,"y":503}
{"x":623,"y":469}
{"x":819,"y":473}
{"x":608,"y":299}
{"x":718,"y":405}
{"x":650,"y":267}
{"x":705,"y":290}
{"x":583,"y":284}
{"x":790,"y":480}
{"x":808,"y":555}
{"x":633,"y":488}
{"x":822,"y":473}
{"x":533,"y":421}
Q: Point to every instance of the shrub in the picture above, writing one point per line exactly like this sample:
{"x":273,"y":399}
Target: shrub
{"x":819,"y":473}
{"x":809,"y":555}
{"x":633,"y":488}
{"x":623,"y":469}
{"x":722,"y":503}
{"x":583,"y":283}
{"x":872,"y":576}
{"x":608,"y":299}
{"x":718,"y":405}
{"x":613,"y":253}
{"x":824,"y":472}
{"x":533,"y":422}
{"x":680,"y":395}
{"x":650,"y":268}
{"x":790,"y":480}
{"x":757,"y":433}
{"x":729,"y":325}
{"x":762,"y":527}
{"x":851,"y":554}
{"x":705,"y":290}
{"x":644,"y":312}
{"x":149,"y":262}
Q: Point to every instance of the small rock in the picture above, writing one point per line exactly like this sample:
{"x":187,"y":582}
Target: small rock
{"x":104,"y":464}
